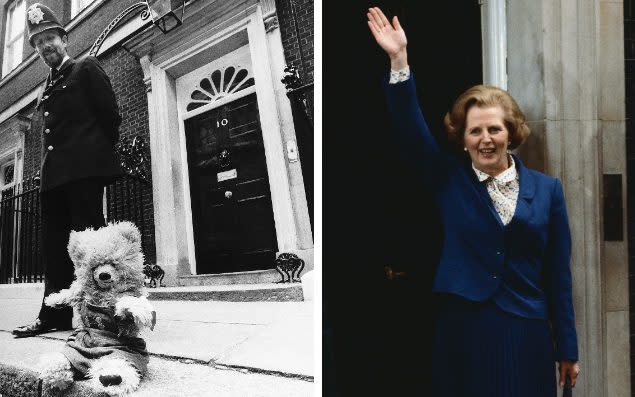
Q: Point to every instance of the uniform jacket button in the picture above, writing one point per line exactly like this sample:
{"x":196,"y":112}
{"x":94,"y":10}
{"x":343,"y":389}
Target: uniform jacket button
{"x":47,"y":130}
{"x":46,"y":113}
{"x":50,"y":147}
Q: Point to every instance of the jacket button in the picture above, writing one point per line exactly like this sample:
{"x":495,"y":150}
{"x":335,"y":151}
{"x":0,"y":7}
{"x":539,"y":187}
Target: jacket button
{"x":50,"y":147}
{"x":494,"y":275}
{"x":45,"y":97}
{"x":46,"y":113}
{"x":63,"y":86}
{"x":498,"y":252}
{"x":47,"y":130}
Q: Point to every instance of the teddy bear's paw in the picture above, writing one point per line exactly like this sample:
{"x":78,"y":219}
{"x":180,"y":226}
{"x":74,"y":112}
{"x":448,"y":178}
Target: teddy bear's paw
{"x":65,"y":297}
{"x":137,"y":308}
{"x":53,"y":300}
{"x":115,"y":376}
{"x":56,"y":373}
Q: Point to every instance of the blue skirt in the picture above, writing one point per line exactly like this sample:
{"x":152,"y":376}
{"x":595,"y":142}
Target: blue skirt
{"x":481,"y":351}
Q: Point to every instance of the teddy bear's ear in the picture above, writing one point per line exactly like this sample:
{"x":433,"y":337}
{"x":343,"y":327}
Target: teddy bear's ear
{"x":129,"y":231}
{"x":75,"y":247}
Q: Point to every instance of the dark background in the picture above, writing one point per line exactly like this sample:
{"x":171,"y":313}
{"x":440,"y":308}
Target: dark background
{"x":377,"y":332}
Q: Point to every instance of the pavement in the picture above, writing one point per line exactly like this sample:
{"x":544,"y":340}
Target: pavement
{"x":197,"y":348}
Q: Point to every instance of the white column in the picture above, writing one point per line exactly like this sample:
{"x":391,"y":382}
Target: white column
{"x":494,"y":34}
{"x":296,"y":178}
{"x":162,"y":185}
{"x":286,"y":229}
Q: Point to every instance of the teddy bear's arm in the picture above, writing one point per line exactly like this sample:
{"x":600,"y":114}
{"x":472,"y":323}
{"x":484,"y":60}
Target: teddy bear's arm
{"x":138,"y":308}
{"x":66,"y":297}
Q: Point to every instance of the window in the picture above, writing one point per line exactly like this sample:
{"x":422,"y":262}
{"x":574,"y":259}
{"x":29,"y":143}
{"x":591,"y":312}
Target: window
{"x":7,"y":174}
{"x":78,"y":5}
{"x":14,"y":38}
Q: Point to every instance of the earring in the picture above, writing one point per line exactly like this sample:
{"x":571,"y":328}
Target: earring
{"x":465,"y":149}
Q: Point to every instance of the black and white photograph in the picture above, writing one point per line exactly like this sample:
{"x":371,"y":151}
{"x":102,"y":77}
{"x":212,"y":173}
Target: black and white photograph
{"x":157,"y":198}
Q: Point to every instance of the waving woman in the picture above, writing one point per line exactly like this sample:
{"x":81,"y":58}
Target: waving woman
{"x":503,"y":278}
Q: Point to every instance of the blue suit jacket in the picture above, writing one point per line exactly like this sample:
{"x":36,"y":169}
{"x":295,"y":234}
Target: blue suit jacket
{"x":522,"y":266}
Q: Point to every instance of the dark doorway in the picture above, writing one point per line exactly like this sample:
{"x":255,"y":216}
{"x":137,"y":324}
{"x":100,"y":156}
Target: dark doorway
{"x":229,"y":186}
{"x":376,"y":212}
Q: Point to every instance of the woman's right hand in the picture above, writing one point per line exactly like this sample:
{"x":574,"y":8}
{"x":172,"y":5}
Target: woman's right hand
{"x":390,"y":37}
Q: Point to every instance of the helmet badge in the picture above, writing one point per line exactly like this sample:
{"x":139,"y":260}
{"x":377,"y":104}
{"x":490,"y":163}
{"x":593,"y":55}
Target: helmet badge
{"x":35,"y":15}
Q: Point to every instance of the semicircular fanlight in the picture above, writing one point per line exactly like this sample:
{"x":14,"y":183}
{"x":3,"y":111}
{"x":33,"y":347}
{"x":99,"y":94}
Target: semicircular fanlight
{"x":219,"y":84}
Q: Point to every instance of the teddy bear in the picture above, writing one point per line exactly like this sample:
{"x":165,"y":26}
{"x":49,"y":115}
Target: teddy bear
{"x":108,"y":293}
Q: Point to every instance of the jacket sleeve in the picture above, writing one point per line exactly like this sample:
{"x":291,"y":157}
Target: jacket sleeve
{"x":102,"y":97}
{"x":558,"y":272}
{"x":416,"y":143}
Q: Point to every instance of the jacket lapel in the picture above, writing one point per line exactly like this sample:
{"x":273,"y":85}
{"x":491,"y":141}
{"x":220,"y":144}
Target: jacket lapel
{"x":65,"y":69}
{"x":41,"y":93}
{"x":481,"y":190}
{"x":69,"y":62}
{"x":526,"y":191}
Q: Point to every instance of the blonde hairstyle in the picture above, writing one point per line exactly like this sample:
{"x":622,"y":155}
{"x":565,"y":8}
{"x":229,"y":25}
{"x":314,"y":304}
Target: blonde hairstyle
{"x":486,"y":96}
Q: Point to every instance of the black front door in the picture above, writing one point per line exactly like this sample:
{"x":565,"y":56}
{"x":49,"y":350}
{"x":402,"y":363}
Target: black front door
{"x":229,"y":186}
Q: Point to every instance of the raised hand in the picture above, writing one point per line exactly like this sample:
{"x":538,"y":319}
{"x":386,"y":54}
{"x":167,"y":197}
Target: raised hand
{"x":390,"y":37}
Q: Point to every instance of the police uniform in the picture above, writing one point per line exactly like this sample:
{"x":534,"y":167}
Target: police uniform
{"x":78,"y":117}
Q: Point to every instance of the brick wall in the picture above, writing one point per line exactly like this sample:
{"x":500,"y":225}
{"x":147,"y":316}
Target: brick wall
{"x":629,"y":55}
{"x":297,"y":38}
{"x":126,"y":77}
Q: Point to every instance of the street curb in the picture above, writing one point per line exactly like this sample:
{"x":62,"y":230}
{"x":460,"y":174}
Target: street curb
{"x":17,"y":382}
{"x":23,"y":382}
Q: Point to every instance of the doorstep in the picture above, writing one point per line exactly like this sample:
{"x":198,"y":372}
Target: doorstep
{"x":265,"y":292}
{"x":285,"y":292}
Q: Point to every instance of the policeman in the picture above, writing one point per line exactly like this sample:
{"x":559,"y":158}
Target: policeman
{"x":78,"y":117}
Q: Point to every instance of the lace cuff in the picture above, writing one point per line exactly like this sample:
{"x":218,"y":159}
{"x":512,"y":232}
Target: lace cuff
{"x":397,"y":76}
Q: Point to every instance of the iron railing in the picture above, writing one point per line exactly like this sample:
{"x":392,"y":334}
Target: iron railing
{"x":128,"y":198}
{"x":20,"y":225}
{"x":20,"y":261}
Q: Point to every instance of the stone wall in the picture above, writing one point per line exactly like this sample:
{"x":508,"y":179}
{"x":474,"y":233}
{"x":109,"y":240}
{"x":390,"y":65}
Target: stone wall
{"x":629,"y":63}
{"x":565,"y":61}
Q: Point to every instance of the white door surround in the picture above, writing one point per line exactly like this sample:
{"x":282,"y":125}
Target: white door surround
{"x":241,"y":44}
